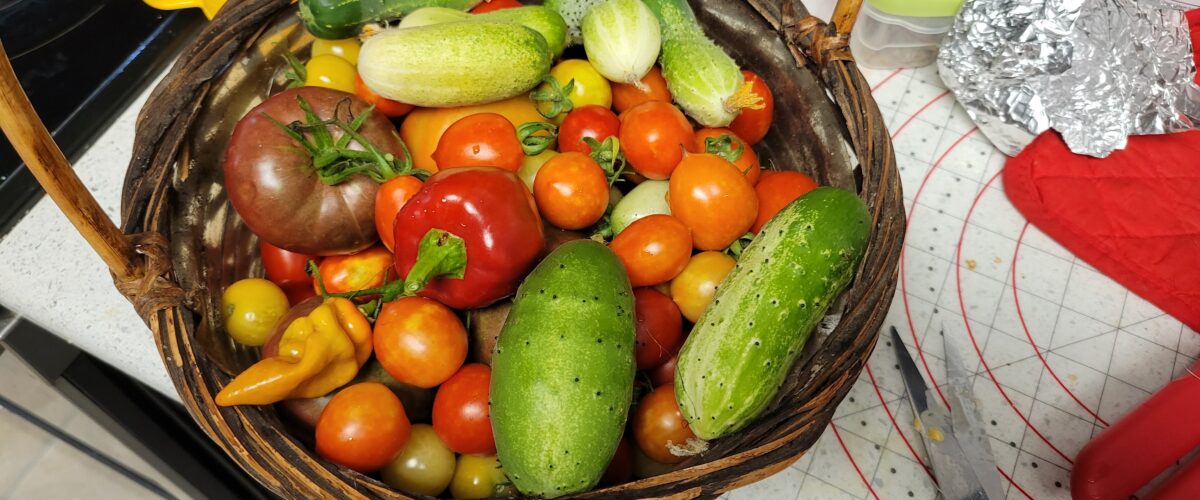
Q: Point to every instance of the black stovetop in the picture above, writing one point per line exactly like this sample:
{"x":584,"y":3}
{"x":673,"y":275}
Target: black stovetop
{"x":80,"y":62}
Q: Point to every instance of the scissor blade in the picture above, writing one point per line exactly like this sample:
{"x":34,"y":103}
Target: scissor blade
{"x":917,"y":390}
{"x":968,"y":425}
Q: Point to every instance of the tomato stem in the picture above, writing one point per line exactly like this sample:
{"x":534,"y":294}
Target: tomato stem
{"x":557,"y":95}
{"x":441,"y":254}
{"x":608,"y":154}
{"x":532,"y":143}
{"x":297,"y":73}
{"x":725,"y":146}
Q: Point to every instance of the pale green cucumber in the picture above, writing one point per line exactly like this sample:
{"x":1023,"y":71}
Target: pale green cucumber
{"x":343,"y":18}
{"x":735,"y":360}
{"x":454,"y":64}
{"x":540,"y":19}
{"x":562,"y":371}
{"x":572,"y":11}
{"x":702,"y":78}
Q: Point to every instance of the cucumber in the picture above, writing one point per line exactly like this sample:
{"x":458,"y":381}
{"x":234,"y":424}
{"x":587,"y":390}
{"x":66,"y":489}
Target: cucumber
{"x":743,"y":346}
{"x":562,"y":371}
{"x":572,"y":12}
{"x":540,"y":19}
{"x":454,"y":64}
{"x":702,"y":78}
{"x":334,"y":19}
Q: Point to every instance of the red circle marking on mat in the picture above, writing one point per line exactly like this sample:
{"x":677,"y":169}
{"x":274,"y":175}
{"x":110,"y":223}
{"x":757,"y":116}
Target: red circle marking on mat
{"x":962,"y":305}
{"x":886,"y":78}
{"x":919,"y":111}
{"x":1021,"y":317}
{"x":892,"y":417}
{"x":838,"y":435}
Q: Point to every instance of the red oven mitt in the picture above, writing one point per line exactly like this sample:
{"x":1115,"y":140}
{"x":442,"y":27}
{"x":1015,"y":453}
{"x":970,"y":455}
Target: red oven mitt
{"x":1134,"y":216}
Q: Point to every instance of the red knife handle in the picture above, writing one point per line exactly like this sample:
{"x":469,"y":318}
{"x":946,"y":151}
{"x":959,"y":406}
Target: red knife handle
{"x":1182,"y":485}
{"x":1137,"y":448}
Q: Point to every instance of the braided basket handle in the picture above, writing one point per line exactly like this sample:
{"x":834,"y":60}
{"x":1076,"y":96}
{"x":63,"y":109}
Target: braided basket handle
{"x":140,"y":280}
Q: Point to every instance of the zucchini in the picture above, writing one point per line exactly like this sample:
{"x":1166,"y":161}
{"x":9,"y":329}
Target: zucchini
{"x":702,"y":78}
{"x":334,"y":19}
{"x":562,"y":371}
{"x":540,"y":19}
{"x":454,"y":64}
{"x":743,"y":346}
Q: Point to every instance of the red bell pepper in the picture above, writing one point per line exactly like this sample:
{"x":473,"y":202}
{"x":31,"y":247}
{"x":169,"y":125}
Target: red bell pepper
{"x":494,"y":214}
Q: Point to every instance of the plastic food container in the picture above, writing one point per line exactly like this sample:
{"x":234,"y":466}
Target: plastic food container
{"x":901,"y":33}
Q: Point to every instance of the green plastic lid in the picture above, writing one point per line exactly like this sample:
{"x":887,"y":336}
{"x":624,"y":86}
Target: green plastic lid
{"x":918,"y":8}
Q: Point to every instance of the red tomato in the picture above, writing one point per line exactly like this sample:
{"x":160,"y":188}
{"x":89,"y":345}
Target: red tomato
{"x":653,"y":135}
{"x":389,"y":108}
{"x":363,"y":427}
{"x":419,"y":341}
{"x":492,"y":5}
{"x":571,"y":191}
{"x":714,"y":200}
{"x":620,"y":468}
{"x":775,"y":190}
{"x":595,"y":122}
{"x":747,"y":161}
{"x":653,"y":249}
{"x":288,"y":270}
{"x":480,"y":140}
{"x":658,"y":423}
{"x":659,"y":327}
{"x":357,"y":271}
{"x":627,"y":96}
{"x":752,"y":124}
{"x":665,"y":373}
{"x":390,"y":198}
{"x":460,"y":411}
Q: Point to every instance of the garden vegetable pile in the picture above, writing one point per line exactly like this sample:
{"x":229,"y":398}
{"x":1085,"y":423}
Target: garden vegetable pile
{"x":494,"y":248}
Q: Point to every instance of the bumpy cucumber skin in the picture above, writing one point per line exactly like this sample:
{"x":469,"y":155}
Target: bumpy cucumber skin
{"x":336,"y":19}
{"x":540,"y":19}
{"x":562,"y":371}
{"x":699,"y":74}
{"x":743,"y":346}
{"x":454,"y":64}
{"x":572,"y":11}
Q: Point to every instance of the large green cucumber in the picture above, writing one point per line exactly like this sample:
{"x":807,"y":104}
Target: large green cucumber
{"x":535,"y":17}
{"x":743,"y":346}
{"x":342,"y":18}
{"x":562,"y":371}
{"x":454,"y":64}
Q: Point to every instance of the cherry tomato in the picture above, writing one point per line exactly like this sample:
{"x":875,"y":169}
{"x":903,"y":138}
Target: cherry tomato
{"x":480,"y":140}
{"x":747,"y":160}
{"x":346,"y":48}
{"x":289,"y":270}
{"x":390,"y":198}
{"x":357,"y":271}
{"x":752,"y":124}
{"x":362,"y":427}
{"x":389,"y":108}
{"x":665,"y":373}
{"x":532,"y":165}
{"x":620,"y":468}
{"x":775,"y":190}
{"x":653,"y":135}
{"x":659,"y":327}
{"x":460,"y":411}
{"x":479,"y":477}
{"x":423,"y":127}
{"x":419,"y":341}
{"x":657,"y":423}
{"x":713,"y":199}
{"x":571,"y":191}
{"x":653,"y":249}
{"x":424,"y":466}
{"x":627,"y":96}
{"x":592,"y":122}
{"x":589,"y":88}
{"x":693,"y":289}
{"x":494,"y":5}
{"x":251,"y":307}
{"x":331,"y":72}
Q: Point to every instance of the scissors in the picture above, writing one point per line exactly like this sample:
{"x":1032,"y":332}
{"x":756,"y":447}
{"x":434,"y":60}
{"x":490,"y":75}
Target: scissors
{"x":955,"y":440}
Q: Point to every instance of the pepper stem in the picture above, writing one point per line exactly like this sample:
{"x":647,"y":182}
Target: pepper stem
{"x":440,"y":254}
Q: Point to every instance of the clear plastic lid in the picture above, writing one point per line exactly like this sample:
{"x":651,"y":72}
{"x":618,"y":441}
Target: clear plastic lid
{"x":917,"y":8}
{"x":923,"y":25}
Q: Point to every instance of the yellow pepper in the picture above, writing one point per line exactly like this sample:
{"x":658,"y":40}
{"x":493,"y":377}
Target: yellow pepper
{"x":317,"y":354}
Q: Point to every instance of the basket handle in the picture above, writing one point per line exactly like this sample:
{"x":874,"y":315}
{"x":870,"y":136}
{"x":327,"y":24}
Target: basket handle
{"x":45,"y":160}
{"x":844,"y":15}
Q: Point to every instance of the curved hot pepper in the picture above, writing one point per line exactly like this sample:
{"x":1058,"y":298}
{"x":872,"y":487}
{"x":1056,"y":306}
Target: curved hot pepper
{"x":317,"y":354}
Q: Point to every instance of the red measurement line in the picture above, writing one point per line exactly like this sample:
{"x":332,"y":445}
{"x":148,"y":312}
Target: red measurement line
{"x":919,"y":111}
{"x":886,"y":78}
{"x":891,"y":417}
{"x":838,"y":435}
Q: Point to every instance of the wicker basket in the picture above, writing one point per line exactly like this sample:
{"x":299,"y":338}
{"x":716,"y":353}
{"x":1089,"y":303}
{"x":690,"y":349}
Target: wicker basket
{"x":176,"y":216}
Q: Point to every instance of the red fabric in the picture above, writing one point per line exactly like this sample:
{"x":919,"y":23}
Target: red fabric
{"x":1134,"y":216}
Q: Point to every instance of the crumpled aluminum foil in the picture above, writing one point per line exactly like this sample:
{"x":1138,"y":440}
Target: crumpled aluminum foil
{"x":1097,"y":71}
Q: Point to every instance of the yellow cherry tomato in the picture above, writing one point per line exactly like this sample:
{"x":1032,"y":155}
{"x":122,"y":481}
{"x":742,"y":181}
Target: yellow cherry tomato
{"x":424,"y":466}
{"x":331,"y":72}
{"x":589,"y":88}
{"x":695,"y":286}
{"x":532,"y":164}
{"x":251,"y":308}
{"x":346,"y":48}
{"x":479,"y":477}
